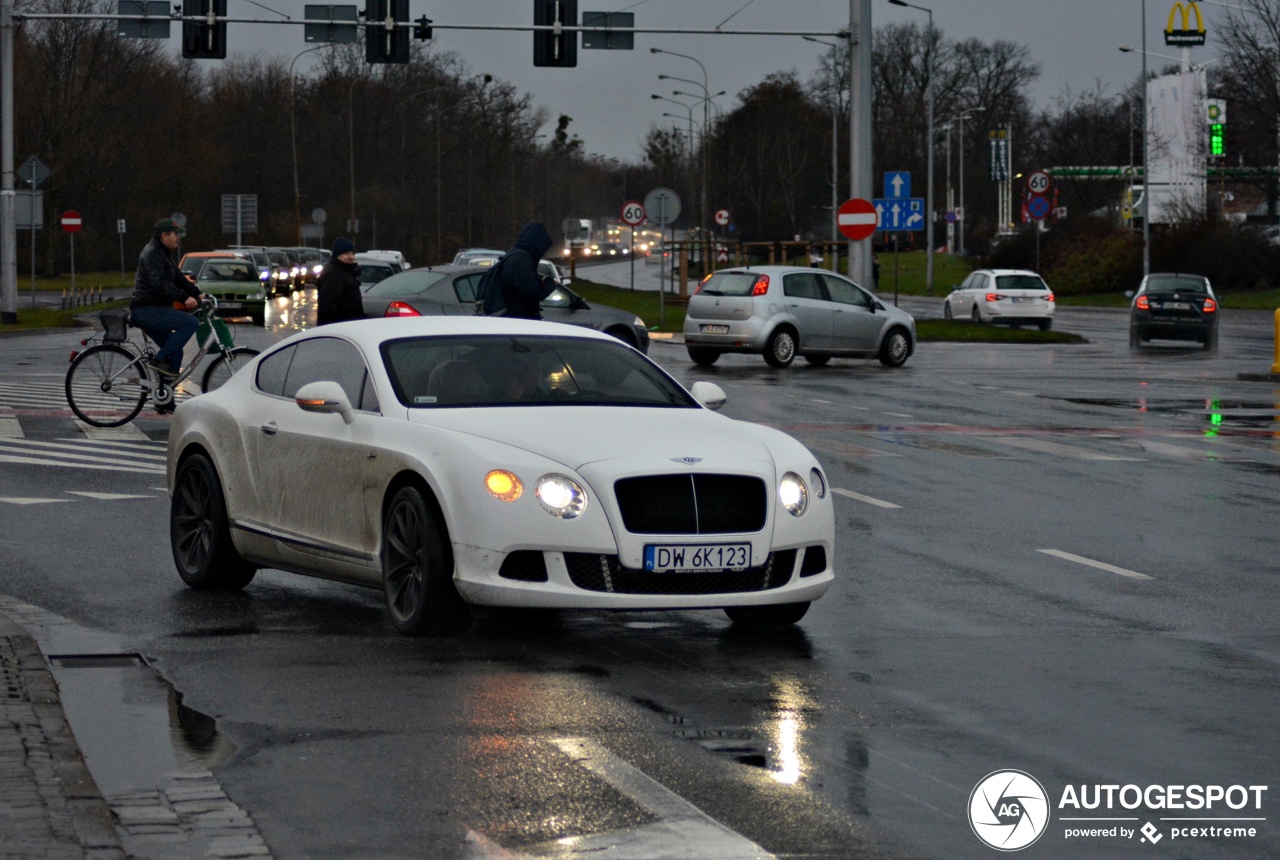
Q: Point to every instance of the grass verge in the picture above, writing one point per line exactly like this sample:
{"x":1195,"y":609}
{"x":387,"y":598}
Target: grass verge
{"x":31,"y":319}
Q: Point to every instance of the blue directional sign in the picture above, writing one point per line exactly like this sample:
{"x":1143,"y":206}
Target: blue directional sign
{"x":897,"y":184}
{"x":905,"y":214}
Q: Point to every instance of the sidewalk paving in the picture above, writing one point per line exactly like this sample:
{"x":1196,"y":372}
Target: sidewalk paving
{"x":50,"y":806}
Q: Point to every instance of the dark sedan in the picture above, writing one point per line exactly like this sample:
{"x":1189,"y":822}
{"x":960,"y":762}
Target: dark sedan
{"x":451,"y":290}
{"x":1174,"y":307}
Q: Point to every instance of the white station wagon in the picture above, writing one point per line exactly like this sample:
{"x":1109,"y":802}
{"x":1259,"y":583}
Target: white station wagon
{"x":1010,"y":296}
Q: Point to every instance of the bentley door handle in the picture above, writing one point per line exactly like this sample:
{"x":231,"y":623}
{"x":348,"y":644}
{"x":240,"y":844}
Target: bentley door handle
{"x":270,"y":429}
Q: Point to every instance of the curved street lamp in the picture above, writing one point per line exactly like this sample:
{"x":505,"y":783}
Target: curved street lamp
{"x":705,"y":113}
{"x":929,"y":72}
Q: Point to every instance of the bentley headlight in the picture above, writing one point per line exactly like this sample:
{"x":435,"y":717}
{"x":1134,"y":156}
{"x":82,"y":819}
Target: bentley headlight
{"x":503,"y":485}
{"x":561,"y":496}
{"x":793,"y":494}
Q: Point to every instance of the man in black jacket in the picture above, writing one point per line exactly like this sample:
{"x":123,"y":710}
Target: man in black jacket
{"x":158,"y":286}
{"x":523,"y":289}
{"x":338,"y":287}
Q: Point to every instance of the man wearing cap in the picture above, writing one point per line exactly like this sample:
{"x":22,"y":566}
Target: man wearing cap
{"x":338,"y":287}
{"x":158,"y":287}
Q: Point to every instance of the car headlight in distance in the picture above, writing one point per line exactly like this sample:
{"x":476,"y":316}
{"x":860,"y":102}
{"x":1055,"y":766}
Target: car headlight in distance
{"x":561,"y":496}
{"x":819,"y":483}
{"x":503,"y":485}
{"x":793,"y":494}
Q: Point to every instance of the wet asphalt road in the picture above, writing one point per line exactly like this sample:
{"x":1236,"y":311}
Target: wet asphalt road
{"x":1052,"y":559}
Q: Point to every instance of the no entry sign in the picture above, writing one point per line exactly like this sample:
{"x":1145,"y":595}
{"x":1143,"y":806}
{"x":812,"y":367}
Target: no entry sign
{"x":856,"y":218}
{"x":71,"y":221}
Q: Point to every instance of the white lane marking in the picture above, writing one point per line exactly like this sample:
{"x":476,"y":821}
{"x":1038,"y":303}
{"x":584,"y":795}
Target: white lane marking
{"x":1044,"y":446}
{"x":18,"y":500}
{"x":152,"y":451}
{"x":899,"y":414}
{"x":103,"y":467}
{"x":1187,"y":453}
{"x":124,"y":431}
{"x":868,"y":499}
{"x":106,"y":497}
{"x":10,"y":427}
{"x":684,"y":830}
{"x":1100,"y":565}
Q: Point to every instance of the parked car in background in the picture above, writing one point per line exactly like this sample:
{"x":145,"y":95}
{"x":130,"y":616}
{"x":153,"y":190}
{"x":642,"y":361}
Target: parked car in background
{"x":494,"y":462}
{"x":1173,"y":307}
{"x":451,"y":291}
{"x":371,"y":270}
{"x":548,"y":269}
{"x":782,"y":311}
{"x":1010,"y":296}
{"x":395,"y":258}
{"x":233,"y":280}
{"x":468,"y":256}
{"x":292,"y":278}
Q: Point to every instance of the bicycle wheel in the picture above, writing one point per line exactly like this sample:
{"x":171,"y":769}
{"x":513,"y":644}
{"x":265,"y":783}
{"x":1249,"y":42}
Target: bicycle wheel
{"x":222,"y":367}
{"x":104,"y":386}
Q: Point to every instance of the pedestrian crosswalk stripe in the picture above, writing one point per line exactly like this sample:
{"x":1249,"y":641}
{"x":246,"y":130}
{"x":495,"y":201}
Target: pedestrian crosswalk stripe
{"x":107,"y":497}
{"x":105,"y":467}
{"x":18,"y":500}
{"x":153,"y":451}
{"x":124,"y":431}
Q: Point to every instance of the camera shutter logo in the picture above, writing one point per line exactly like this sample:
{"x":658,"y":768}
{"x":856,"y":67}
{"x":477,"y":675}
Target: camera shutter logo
{"x":1008,"y":810}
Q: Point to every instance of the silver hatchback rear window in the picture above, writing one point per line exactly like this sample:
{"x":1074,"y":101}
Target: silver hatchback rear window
{"x":730,"y":284}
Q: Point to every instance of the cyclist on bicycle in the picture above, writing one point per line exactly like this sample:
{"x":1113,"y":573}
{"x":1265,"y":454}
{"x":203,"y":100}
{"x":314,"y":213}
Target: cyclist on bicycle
{"x":158,"y":288}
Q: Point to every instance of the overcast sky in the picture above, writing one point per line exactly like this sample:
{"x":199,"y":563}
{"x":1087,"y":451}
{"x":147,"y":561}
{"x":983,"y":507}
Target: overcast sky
{"x":1075,"y":42}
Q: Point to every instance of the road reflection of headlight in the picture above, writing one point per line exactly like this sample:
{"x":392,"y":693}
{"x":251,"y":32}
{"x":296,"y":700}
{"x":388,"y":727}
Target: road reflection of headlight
{"x":561,"y":496}
{"x":790,"y":704}
{"x":793,"y":494}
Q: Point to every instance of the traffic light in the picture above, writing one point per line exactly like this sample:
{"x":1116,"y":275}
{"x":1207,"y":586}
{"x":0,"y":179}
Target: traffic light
{"x":551,"y":48}
{"x":422,"y":29}
{"x":382,"y":45}
{"x":200,"y":39}
{"x":1216,"y":146}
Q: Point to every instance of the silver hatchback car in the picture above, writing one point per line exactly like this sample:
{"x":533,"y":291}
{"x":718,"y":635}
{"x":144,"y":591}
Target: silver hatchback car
{"x":785,"y":311}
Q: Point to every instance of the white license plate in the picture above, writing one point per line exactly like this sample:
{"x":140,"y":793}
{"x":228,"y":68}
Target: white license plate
{"x":230,"y":305}
{"x":1020,"y":299}
{"x":713,"y":329}
{"x":696,"y":556}
{"x":1178,"y":306}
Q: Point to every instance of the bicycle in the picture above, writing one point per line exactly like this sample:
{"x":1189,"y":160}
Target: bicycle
{"x":108,"y":383}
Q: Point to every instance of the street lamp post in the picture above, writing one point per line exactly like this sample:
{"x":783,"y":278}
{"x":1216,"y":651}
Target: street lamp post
{"x":354,"y":227}
{"x":929,"y":75}
{"x":964,"y":114}
{"x":293,"y":136}
{"x":706,"y":88}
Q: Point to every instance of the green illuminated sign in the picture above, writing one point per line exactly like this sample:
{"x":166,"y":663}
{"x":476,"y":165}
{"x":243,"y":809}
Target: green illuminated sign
{"x":1215,"y":139}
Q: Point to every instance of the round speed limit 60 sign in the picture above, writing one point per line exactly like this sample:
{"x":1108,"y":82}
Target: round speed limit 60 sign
{"x":1038,"y":182}
{"x":632,"y":213}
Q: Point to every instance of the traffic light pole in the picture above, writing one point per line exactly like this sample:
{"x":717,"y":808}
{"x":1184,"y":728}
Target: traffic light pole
{"x":8,"y":227}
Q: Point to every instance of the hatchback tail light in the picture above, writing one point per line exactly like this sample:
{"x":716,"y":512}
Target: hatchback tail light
{"x":1143,"y":303}
{"x":761,"y":287}
{"x":1049,"y":297}
{"x":1209,"y":306}
{"x":401,"y":309}
{"x":703,"y":283}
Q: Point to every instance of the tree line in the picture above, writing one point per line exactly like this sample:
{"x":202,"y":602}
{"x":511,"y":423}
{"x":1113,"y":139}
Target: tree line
{"x":432,"y":156}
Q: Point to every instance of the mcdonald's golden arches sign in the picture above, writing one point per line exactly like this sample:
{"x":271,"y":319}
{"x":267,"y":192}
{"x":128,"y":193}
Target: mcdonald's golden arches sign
{"x":1180,"y":30}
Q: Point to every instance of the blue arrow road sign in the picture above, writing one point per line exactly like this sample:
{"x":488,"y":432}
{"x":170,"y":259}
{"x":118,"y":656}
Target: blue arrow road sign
{"x":905,"y":214}
{"x":897,"y":184}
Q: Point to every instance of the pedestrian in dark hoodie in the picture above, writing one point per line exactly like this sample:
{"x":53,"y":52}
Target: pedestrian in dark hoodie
{"x":523,"y":289}
{"x":338,"y":287}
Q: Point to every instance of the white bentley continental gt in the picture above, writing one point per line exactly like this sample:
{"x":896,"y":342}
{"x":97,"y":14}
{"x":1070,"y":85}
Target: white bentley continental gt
{"x":459,"y":461}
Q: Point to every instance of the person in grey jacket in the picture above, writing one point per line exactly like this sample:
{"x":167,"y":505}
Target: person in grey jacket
{"x":158,"y":287}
